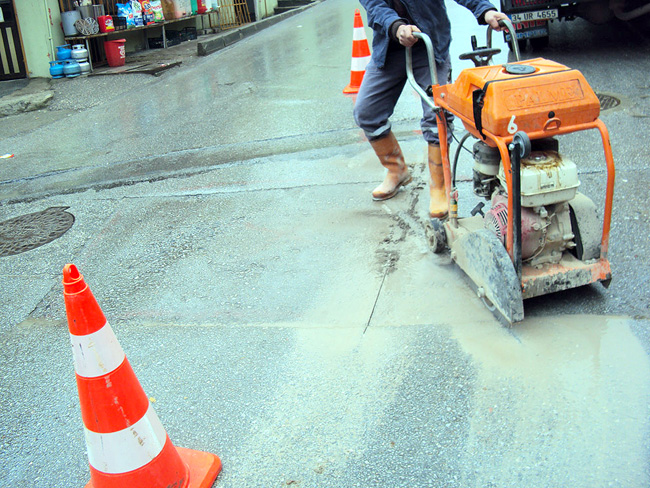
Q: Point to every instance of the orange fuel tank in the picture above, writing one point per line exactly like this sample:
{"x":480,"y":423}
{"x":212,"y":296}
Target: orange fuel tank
{"x":537,"y":96}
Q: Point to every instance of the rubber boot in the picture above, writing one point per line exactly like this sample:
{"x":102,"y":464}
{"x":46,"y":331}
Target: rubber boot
{"x":391,"y":157}
{"x":438,"y":206}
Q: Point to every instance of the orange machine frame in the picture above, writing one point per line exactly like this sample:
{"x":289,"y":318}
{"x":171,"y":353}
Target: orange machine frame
{"x":571,"y":114}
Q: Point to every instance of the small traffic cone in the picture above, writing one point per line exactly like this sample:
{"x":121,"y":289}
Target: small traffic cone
{"x":360,"y":55}
{"x":127,"y":445}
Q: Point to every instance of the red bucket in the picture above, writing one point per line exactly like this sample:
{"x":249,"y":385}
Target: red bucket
{"x":115,"y":52}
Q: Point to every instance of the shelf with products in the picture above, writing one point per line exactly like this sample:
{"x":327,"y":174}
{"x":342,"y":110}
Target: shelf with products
{"x":96,"y":51}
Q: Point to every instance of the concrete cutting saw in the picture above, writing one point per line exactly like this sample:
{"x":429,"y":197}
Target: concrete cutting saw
{"x":539,"y":234}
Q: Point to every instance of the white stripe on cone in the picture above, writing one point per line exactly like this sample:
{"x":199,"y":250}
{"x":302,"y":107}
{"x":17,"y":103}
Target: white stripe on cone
{"x":359,"y":34}
{"x":96,"y":354}
{"x":359,"y":64}
{"x":128,"y":449}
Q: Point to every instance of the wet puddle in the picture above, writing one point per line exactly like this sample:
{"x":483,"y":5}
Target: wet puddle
{"x":564,"y":397}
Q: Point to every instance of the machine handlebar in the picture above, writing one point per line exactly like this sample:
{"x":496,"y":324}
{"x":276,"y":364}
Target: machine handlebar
{"x":432,"y":67}
{"x":432,"y":63}
{"x":507,"y":23}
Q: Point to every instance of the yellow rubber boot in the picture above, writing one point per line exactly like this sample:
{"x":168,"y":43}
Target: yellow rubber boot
{"x":391,"y":157}
{"x":438,"y":206}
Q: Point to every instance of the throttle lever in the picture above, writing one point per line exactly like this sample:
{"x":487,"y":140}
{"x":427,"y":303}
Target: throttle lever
{"x":478,"y":209}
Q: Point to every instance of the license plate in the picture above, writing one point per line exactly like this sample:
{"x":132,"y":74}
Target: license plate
{"x":536,"y":15}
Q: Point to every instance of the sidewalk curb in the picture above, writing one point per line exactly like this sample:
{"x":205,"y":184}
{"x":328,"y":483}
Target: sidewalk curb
{"x":35,"y":96}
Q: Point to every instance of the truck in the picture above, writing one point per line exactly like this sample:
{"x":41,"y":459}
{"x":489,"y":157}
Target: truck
{"x":531,"y":18}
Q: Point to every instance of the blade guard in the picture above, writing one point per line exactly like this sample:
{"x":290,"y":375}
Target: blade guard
{"x":485,"y":261}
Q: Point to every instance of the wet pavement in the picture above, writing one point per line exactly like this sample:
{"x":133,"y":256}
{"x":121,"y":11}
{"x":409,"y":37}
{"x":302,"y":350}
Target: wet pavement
{"x":278,"y":317}
{"x":26,"y":95}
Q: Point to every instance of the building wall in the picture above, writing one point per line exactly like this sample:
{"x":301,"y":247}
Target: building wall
{"x":40,"y":30}
{"x":264,"y":8}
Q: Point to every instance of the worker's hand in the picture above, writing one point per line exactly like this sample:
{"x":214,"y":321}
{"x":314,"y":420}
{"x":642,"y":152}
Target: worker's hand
{"x":492,"y":18}
{"x":405,"y":35}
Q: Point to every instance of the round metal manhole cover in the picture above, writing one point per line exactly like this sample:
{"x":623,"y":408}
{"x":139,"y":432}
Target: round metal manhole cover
{"x":27,"y":232}
{"x":607,"y":101}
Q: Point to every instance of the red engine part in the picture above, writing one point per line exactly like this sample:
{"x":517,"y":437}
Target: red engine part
{"x":532,"y":225}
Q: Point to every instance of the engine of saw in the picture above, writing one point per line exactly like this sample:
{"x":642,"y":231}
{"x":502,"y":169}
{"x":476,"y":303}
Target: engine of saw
{"x":549,"y":185}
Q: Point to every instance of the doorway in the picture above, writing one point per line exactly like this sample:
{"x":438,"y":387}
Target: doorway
{"x":12,"y":63}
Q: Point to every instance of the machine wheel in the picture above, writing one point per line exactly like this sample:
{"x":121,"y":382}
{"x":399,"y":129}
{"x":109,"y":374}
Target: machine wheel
{"x":539,"y":43}
{"x":522,"y":141}
{"x":436,"y":235}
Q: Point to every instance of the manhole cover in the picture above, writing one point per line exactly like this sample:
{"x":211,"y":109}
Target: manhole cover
{"x":30,"y":231}
{"x":607,"y":101}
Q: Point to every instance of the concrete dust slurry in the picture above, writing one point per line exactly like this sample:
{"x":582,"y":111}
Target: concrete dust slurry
{"x":574,"y":386}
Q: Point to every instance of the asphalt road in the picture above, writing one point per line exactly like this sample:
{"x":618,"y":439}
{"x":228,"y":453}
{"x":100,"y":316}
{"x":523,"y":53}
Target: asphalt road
{"x":279,"y":318}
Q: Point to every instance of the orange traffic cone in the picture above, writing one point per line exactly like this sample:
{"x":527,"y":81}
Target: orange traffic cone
{"x":127,"y":445}
{"x":360,"y":55}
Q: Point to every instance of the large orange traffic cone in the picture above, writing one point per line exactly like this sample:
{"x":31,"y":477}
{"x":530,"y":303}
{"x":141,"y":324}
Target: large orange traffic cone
{"x":127,"y":445}
{"x":360,"y":55}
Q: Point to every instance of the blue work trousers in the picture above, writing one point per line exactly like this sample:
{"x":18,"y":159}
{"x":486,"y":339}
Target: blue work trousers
{"x":381,"y":88}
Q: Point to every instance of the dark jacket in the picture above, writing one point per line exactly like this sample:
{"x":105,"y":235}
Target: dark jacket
{"x":430,"y":16}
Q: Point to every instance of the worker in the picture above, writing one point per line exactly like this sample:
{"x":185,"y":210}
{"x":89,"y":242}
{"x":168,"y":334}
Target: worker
{"x":393,"y":23}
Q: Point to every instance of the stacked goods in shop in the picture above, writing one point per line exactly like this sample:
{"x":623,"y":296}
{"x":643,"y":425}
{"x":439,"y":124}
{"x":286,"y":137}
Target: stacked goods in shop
{"x":156,"y":8}
{"x":105,"y":23}
{"x":137,"y":13}
{"x":147,"y":12}
{"x":138,"y":19}
{"x":125,"y":10}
